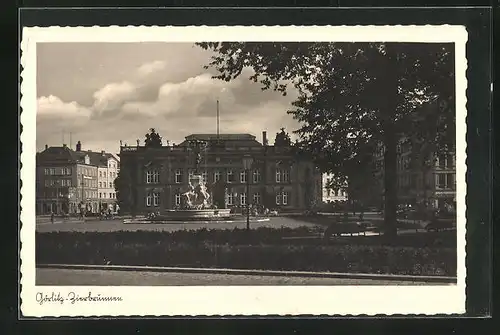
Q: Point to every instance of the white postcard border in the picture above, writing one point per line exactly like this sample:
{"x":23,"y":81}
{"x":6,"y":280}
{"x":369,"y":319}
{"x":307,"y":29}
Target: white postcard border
{"x":238,"y":300}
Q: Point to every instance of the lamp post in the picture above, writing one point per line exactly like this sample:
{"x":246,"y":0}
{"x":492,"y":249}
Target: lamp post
{"x":247,"y":165}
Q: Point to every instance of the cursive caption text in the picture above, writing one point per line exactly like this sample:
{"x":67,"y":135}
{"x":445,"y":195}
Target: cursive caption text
{"x":73,"y":298}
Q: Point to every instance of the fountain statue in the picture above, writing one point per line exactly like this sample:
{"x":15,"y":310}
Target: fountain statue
{"x":196,"y":197}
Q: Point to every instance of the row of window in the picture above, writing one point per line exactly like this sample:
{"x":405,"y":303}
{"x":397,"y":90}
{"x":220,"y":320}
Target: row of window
{"x":60,"y":171}
{"x":335,"y":193}
{"x":107,"y":195}
{"x":87,"y":171}
{"x":104,"y":174}
{"x":58,"y":182}
{"x":281,"y":176}
{"x":282,"y":198}
{"x":442,"y":181}
{"x":106,"y":184}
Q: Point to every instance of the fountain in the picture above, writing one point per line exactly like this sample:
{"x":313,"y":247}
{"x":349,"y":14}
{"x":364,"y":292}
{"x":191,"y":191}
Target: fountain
{"x":196,"y":203}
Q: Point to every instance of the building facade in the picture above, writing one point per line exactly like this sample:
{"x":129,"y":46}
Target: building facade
{"x":67,"y":180}
{"x":153,"y":179}
{"x":424,"y":177}
{"x":332,"y":195}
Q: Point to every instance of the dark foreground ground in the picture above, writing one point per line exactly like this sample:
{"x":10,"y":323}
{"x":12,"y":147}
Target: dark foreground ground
{"x":134,"y":278}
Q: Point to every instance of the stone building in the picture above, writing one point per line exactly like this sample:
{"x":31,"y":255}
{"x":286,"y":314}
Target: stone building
{"x":154,"y":178}
{"x":67,"y":180}
{"x":424,"y":178}
{"x":330,"y":195}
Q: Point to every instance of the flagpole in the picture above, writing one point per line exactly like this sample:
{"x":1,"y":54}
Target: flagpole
{"x":217,"y":118}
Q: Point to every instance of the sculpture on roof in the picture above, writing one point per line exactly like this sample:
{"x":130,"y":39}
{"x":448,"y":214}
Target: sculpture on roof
{"x":153,"y":139}
{"x":282,"y":139}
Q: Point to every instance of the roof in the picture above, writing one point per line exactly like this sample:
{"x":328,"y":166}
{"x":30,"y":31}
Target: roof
{"x":231,"y":139}
{"x":66,"y":155}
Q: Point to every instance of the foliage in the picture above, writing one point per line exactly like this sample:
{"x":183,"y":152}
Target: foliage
{"x":228,"y":249}
{"x":153,"y":139}
{"x":353,"y":96}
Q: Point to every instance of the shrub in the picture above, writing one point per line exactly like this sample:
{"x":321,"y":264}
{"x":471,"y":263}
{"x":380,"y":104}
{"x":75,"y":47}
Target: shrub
{"x":259,"y":249}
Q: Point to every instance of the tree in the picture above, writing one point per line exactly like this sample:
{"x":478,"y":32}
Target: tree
{"x":153,"y":139}
{"x":353,"y":96}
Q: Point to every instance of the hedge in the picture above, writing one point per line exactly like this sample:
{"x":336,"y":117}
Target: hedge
{"x":196,"y":249}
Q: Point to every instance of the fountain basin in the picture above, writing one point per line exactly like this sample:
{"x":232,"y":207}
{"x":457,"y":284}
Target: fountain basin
{"x":193,"y":215}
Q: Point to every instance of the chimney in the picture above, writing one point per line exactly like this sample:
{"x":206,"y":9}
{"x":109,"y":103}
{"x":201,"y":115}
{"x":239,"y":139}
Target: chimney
{"x":264,"y":137}
{"x":46,"y":146}
{"x":103,"y":152}
{"x":64,"y":145}
{"x":78,"y":146}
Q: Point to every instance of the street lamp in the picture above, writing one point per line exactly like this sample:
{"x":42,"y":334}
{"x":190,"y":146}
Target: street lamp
{"x":247,"y":165}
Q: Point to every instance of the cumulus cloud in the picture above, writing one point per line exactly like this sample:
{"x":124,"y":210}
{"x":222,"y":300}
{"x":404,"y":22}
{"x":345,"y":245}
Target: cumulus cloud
{"x":152,"y":67}
{"x":158,"y":94}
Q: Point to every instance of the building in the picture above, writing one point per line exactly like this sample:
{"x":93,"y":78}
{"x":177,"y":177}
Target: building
{"x":67,"y":180}
{"x":424,"y":178}
{"x":153,"y":179}
{"x":332,"y":195}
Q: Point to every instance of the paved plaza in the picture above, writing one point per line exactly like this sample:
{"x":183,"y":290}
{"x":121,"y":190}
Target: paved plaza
{"x":54,"y":277}
{"x":117,"y":225}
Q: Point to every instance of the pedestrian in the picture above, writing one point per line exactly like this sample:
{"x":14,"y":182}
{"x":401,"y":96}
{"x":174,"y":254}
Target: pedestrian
{"x":51,"y":217}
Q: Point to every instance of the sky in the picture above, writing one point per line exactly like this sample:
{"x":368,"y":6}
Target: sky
{"x":102,"y":93}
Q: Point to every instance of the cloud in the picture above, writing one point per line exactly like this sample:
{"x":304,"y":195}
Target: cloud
{"x":152,"y":67}
{"x":110,"y":98}
{"x":53,"y":107}
{"x":158,"y":94}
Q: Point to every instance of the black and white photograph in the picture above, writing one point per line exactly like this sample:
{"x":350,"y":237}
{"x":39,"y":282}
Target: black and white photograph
{"x":221,"y":171}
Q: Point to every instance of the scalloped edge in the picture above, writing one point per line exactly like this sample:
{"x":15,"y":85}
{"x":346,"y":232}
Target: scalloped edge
{"x":28,"y":306}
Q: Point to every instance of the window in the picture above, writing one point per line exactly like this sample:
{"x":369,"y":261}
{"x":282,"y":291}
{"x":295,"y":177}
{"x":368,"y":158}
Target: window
{"x":68,"y":171}
{"x":46,"y":172}
{"x":285,"y":198}
{"x":230,"y":198}
{"x":449,"y":162}
{"x":256,"y":176}
{"x":328,"y":191}
{"x":190,"y":174}
{"x":286,"y":175}
{"x":256,"y":198}
{"x":278,"y":198}
{"x":156,"y":199}
{"x":100,"y":173}
{"x":100,"y":184}
{"x":278,"y":176}
{"x":204,"y":175}
{"x":449,"y":181}
{"x":243,"y":199}
{"x":149,"y":200}
{"x":152,"y":177}
{"x":52,"y":171}
{"x":177,"y":199}
{"x":441,"y":180}
{"x":216,"y":176}
{"x":442,"y":161}
{"x":243,"y":176}
{"x":63,"y":182}
{"x":100,"y":195}
{"x":178,"y":176}
{"x":230,"y":176}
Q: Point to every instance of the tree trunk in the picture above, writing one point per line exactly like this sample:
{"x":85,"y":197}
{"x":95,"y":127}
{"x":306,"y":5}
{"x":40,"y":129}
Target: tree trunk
{"x":390,"y":185}
{"x":390,"y":104}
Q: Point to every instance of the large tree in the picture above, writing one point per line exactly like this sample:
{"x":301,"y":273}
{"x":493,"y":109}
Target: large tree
{"x":352,"y":96}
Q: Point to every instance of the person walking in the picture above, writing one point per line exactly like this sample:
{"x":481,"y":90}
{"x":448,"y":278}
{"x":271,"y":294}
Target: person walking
{"x":52,"y":217}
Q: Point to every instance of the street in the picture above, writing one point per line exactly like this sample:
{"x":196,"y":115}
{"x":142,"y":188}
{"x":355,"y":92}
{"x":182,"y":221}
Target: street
{"x":133,"y":278}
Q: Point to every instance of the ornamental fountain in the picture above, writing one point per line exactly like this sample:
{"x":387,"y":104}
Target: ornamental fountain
{"x":196,"y":202}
